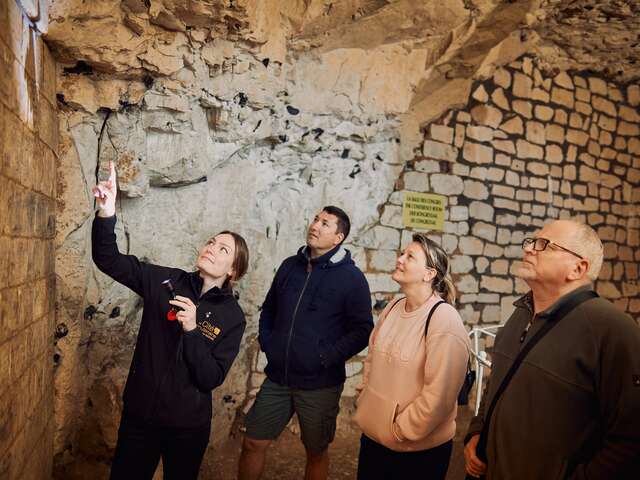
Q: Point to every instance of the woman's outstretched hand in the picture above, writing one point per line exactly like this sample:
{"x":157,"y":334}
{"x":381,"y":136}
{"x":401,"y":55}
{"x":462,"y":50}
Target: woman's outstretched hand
{"x":105,"y":193}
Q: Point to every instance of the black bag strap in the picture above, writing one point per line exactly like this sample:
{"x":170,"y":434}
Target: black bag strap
{"x":426,"y":325}
{"x":395,"y":302}
{"x":426,"y":329}
{"x":433,"y":309}
{"x":393,"y":305}
{"x":558,"y":315}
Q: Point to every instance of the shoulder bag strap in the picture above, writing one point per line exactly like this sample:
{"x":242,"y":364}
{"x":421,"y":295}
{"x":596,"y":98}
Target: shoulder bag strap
{"x":550,"y":323}
{"x":382,"y":319}
{"x":433,"y":309}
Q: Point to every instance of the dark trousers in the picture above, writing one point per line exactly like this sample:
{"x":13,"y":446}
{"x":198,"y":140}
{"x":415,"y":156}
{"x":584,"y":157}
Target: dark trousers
{"x":140,"y":447}
{"x":377,"y":462}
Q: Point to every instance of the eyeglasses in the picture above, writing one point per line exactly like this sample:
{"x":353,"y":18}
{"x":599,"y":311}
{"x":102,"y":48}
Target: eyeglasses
{"x":539,"y":244}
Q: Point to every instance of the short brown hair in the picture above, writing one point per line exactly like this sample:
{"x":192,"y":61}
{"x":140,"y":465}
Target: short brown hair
{"x":240,"y":258}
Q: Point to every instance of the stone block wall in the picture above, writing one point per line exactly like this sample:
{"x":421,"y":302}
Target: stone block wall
{"x":527,"y":149}
{"x":28,"y":145}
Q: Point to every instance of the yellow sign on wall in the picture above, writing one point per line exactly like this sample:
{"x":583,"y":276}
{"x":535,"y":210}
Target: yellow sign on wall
{"x":423,"y":210}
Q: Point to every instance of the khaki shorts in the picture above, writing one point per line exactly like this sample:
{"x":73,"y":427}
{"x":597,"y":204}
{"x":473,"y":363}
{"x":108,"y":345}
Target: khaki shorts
{"x":275,"y":404}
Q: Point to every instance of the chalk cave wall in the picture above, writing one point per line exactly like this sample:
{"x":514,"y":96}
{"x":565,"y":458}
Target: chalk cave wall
{"x":253,"y":115}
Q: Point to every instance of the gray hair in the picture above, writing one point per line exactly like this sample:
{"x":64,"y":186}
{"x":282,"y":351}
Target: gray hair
{"x":588,"y":244}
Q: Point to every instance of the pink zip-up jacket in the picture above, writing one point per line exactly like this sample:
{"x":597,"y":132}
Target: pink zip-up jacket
{"x":408,"y":400}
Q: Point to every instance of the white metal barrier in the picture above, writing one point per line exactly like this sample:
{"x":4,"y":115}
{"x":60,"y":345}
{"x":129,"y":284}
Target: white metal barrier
{"x":480,"y":357}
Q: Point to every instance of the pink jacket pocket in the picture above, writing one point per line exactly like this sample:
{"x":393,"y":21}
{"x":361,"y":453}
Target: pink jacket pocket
{"x":375,"y":415}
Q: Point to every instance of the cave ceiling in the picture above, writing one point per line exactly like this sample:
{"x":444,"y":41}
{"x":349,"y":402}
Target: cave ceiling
{"x":124,"y":37}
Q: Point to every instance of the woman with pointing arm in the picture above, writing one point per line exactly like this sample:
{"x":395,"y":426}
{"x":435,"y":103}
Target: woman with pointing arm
{"x":185,"y":346}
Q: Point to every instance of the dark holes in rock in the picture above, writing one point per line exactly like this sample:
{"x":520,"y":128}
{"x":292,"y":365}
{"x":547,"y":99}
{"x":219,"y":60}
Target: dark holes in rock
{"x":61,"y":330}
{"x":89,"y":312}
{"x":115,"y":313}
{"x":283,"y":138}
{"x":292,"y":110}
{"x":356,"y":170}
{"x":265,"y":62}
{"x":345,"y":153}
{"x":148,"y":81}
{"x":317,"y":132}
{"x":228,"y":399}
{"x":125,"y":106}
{"x":81,"y":68}
{"x":241,"y":98}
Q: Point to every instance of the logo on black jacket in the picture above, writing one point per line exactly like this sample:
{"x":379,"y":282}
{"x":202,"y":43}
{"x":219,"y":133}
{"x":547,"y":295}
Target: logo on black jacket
{"x":208,"y":330}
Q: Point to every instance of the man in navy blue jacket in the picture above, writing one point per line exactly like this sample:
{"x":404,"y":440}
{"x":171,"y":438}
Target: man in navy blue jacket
{"x":317,"y":315}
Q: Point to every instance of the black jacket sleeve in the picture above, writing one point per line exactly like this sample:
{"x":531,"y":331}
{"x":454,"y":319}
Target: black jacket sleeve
{"x":210,"y":361}
{"x":268,"y":311}
{"x":477,"y":422}
{"x":267,"y":315}
{"x":618,"y":392}
{"x":358,"y":324}
{"x":125,"y":269}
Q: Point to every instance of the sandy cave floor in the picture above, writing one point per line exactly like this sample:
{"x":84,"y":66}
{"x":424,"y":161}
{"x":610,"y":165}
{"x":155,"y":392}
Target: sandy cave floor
{"x":285,"y":459}
{"x":286,"y":456}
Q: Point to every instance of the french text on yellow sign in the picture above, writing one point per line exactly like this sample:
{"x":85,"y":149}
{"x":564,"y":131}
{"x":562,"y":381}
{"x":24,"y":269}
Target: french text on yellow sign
{"x":423,"y":211}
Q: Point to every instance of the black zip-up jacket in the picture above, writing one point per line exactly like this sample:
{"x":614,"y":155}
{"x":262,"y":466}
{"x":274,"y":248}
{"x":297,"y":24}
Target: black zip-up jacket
{"x":572,"y":410}
{"x":172,"y":372}
{"x":316,"y":315}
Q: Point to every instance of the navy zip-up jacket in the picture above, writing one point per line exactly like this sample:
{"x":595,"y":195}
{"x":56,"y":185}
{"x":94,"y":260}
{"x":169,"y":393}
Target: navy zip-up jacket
{"x":316,"y":315}
{"x":172,"y":372}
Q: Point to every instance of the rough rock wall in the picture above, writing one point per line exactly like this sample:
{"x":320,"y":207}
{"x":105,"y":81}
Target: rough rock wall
{"x":249,"y":115}
{"x":28,"y":146}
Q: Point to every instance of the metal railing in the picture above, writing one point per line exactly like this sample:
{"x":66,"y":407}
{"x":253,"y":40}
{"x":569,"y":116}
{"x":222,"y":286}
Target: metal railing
{"x":480,"y":357}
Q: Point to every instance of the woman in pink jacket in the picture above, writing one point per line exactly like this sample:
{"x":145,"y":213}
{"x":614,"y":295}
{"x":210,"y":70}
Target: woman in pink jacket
{"x":408,"y":403}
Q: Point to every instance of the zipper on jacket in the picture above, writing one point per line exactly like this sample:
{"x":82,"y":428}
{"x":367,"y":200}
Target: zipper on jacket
{"x":293,"y":320}
{"x":526,"y":330}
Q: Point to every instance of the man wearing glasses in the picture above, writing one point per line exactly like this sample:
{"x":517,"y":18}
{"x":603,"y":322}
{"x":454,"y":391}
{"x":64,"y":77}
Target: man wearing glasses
{"x":572,"y":408}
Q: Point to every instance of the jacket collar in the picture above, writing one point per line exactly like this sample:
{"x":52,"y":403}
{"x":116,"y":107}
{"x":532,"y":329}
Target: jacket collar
{"x":336,"y":255}
{"x":214,"y":294}
{"x":526,"y":301}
